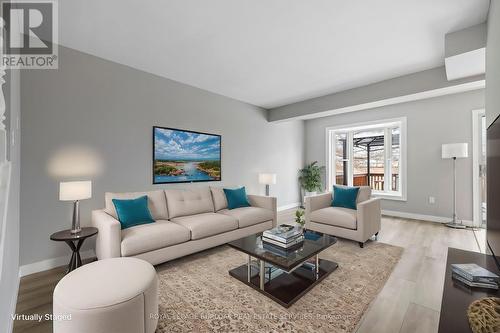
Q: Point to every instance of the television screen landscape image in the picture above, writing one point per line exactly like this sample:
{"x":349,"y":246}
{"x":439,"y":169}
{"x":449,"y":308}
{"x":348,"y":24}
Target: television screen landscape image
{"x":182,"y":156}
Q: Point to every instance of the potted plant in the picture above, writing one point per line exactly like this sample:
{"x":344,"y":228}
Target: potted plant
{"x":310,"y":178}
{"x":300,"y":218}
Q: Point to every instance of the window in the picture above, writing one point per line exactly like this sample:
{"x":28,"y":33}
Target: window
{"x":370,"y":154}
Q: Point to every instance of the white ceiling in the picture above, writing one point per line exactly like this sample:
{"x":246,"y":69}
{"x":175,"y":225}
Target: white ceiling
{"x":269,"y":52}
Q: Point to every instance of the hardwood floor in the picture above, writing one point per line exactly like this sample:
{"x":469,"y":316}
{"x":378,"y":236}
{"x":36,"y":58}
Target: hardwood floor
{"x":409,"y":302}
{"x":35,"y":297}
{"x":411,"y":299}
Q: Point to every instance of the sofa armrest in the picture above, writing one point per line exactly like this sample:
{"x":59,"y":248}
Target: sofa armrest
{"x":266,"y":203}
{"x":369,"y":217}
{"x":109,"y":237}
{"x":316,"y":202}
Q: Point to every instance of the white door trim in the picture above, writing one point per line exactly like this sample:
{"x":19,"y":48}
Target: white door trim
{"x":477,"y":219}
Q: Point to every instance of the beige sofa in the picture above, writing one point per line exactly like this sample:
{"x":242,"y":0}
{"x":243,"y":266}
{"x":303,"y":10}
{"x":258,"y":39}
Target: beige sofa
{"x":186,"y":221}
{"x":358,"y":225}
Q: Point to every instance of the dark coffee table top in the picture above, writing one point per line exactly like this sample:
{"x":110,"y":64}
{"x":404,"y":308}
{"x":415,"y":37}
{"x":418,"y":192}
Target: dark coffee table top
{"x":314,"y":243}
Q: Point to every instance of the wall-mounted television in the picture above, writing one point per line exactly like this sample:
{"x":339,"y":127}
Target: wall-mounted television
{"x":182,"y":156}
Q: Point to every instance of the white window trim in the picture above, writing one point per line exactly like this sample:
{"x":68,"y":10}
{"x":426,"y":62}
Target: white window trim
{"x":476,"y":153}
{"x":402,"y":195}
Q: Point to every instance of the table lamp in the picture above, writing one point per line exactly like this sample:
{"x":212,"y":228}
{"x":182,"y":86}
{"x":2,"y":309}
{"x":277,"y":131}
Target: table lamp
{"x":267,"y":179}
{"x":75,"y":191}
{"x":454,"y":151}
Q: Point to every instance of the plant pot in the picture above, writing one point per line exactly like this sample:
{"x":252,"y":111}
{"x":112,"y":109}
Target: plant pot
{"x":310,"y":194}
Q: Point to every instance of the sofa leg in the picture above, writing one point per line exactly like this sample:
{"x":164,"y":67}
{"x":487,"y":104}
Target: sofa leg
{"x":376,"y":235}
{"x":361,"y":244}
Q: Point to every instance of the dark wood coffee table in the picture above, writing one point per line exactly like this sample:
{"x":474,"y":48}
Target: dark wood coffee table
{"x":284,"y":277}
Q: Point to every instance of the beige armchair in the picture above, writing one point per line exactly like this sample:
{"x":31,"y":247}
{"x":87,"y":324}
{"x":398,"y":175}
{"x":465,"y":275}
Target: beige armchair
{"x":358,"y":225}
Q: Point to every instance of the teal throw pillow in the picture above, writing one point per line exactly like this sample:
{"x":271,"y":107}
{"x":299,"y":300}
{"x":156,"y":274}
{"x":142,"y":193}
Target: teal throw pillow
{"x":345,"y":196}
{"x":236,"y":198}
{"x":133,"y":212}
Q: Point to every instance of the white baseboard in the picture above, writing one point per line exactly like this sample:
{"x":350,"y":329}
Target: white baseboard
{"x":430,"y":218}
{"x":47,"y":264}
{"x":289,"y":206}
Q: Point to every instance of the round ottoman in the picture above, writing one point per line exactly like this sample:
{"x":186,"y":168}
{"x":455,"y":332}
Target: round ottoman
{"x":118,"y":295}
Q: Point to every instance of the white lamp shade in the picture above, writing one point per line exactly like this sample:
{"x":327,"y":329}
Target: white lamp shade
{"x":267,"y":178}
{"x":72,"y":191}
{"x":458,"y":150}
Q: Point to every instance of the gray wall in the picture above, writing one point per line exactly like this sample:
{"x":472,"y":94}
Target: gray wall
{"x":92,"y":119}
{"x":9,"y":276}
{"x":430,"y":123}
{"x":493,"y":63}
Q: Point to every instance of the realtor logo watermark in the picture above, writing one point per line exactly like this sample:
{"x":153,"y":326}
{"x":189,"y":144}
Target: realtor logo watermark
{"x":29,"y":34}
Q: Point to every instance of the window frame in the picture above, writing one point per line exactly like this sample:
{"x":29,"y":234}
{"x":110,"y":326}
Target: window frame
{"x":386,"y":124}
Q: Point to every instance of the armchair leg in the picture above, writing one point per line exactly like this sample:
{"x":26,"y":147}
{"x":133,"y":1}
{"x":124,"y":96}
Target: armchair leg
{"x":361,"y":244}
{"x":376,"y":235}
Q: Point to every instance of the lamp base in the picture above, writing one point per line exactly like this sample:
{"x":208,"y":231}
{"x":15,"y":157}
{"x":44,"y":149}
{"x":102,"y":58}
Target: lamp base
{"x":455,"y":225}
{"x":75,"y":224}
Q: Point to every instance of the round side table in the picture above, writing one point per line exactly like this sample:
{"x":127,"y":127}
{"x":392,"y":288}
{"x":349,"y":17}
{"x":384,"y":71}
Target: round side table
{"x":75,"y":242}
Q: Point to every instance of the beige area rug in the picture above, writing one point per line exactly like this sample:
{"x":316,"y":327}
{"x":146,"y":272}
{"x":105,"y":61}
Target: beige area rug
{"x":198,"y":295}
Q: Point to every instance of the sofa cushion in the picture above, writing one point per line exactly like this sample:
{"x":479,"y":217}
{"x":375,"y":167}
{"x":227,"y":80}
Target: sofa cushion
{"x":189,"y":202}
{"x":219,"y":197}
{"x":156,"y":203}
{"x":153,"y":236}
{"x":236,"y":198}
{"x":345,"y":196}
{"x":207,"y":224}
{"x":248,"y":216}
{"x":365,"y":193}
{"x":132,"y":212}
{"x":336,"y":216}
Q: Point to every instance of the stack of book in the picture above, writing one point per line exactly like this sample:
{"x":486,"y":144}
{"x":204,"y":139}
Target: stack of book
{"x":473,"y":275}
{"x":283,"y":236}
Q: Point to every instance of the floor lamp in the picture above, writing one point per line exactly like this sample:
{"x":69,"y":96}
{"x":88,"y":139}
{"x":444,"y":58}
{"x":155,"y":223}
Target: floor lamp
{"x":454,"y":151}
